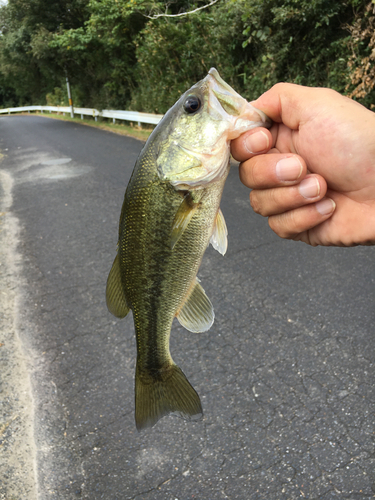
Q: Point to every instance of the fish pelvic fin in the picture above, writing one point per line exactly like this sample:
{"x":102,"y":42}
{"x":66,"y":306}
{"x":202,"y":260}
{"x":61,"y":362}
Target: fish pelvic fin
{"x":114,"y":293}
{"x":163,"y":393}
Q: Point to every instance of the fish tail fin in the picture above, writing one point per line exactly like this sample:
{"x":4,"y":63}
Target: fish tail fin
{"x":168,"y":391}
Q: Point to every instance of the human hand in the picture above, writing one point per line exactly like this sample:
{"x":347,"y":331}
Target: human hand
{"x":313,"y":173}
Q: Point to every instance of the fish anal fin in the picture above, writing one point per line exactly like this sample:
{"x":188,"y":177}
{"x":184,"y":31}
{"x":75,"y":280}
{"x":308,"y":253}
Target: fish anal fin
{"x":115,"y":297}
{"x":182,"y":218}
{"x":219,"y":238}
{"x":197,"y":313}
{"x":163,"y":393}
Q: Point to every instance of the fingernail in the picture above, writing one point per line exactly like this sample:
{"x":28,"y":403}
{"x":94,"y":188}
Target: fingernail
{"x":289,"y":169}
{"x":257,"y":142}
{"x":309,"y":187}
{"x":326,"y":206}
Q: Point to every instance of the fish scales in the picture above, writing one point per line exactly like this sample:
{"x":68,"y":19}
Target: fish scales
{"x":169,"y":215}
{"x":158,"y":278}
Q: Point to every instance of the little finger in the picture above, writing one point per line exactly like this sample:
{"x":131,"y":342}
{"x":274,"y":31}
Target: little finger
{"x":294,"y":222}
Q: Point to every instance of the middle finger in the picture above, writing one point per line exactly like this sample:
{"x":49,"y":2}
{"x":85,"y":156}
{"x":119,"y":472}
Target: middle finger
{"x":272,"y":170}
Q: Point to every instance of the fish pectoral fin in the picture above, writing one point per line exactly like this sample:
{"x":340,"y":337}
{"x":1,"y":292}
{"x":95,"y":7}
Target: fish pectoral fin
{"x":114,"y":293}
{"x":219,"y":238}
{"x":197,"y":313}
{"x":182,"y":218}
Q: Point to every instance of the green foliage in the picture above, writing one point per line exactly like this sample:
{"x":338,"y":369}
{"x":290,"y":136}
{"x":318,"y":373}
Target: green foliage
{"x":362,"y":60}
{"x":57,"y":98}
{"x":173,"y":53}
{"x":27,"y":64}
{"x":118,"y":55}
{"x":301,"y":41}
{"x":100,"y":54}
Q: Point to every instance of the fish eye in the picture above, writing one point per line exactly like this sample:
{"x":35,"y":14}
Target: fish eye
{"x":192,"y":104}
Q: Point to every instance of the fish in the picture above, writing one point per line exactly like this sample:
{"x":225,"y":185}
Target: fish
{"x":170,"y":214}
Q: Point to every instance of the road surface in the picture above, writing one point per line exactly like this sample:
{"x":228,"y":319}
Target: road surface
{"x":286,"y":374}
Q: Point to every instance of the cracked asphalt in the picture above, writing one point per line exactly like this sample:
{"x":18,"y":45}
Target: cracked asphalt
{"x":286,"y":373}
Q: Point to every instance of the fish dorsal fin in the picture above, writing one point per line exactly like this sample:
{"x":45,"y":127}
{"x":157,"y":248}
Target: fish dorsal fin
{"x":182,"y":218}
{"x":114,"y":293}
{"x":197,"y":313}
{"x":219,"y":238}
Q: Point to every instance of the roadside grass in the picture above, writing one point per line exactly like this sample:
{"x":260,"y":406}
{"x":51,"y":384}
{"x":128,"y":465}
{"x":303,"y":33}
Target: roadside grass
{"x":135,"y":131}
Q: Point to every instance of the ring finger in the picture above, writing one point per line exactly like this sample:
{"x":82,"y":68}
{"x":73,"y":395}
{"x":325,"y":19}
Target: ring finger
{"x":278,"y":200}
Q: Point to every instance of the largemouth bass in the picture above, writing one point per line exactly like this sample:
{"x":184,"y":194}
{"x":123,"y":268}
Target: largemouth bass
{"x":169,"y":216}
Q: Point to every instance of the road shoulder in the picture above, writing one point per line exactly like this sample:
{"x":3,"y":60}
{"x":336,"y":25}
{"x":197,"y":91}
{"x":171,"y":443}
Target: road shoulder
{"x":17,"y":445}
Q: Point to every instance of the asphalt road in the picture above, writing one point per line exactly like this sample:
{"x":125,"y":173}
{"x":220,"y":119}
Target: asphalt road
{"x":286,"y":373}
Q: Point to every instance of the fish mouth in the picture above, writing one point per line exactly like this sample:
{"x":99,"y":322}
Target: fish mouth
{"x":227,"y":104}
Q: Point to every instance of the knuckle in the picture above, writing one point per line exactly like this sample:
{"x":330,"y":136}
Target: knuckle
{"x":284,"y":225}
{"x":274,"y":197}
{"x":246,"y":173}
{"x":280,"y":86}
{"x":274,"y":224}
{"x":265,"y":202}
{"x":254,"y":202}
{"x":256,"y":174}
{"x":258,"y":201}
{"x":292,"y":223}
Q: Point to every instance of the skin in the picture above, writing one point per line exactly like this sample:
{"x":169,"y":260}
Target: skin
{"x":313,"y":173}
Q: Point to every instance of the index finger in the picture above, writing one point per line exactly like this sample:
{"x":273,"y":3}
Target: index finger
{"x":254,"y":142}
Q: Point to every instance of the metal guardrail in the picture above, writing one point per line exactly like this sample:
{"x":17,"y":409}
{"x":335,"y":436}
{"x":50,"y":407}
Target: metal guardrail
{"x":130,"y":116}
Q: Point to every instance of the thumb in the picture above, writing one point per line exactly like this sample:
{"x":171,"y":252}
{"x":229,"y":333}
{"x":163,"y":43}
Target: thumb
{"x":288,"y":103}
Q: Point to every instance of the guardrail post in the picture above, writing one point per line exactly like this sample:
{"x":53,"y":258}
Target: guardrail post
{"x":69,"y":97}
{"x":81,"y":116}
{"x":114,"y":120}
{"x":8,"y":111}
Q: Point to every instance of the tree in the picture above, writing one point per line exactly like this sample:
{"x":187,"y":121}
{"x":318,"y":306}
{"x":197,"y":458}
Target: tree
{"x":301,"y":41}
{"x":101,"y":53}
{"x":143,"y":54}
{"x":26,"y":63}
{"x":362,"y":60}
